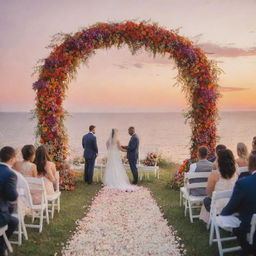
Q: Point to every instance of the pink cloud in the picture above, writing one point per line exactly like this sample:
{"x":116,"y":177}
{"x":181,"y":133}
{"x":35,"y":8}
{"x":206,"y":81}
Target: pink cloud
{"x":226,"y":51}
{"x":232,"y":89}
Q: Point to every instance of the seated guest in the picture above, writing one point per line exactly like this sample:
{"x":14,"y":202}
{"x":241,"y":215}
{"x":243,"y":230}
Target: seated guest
{"x":218,"y":147}
{"x":219,"y":180}
{"x":26,"y":167}
{"x":217,"y":150}
{"x":203,"y":165}
{"x":45,"y":169}
{"x":242,"y":160}
{"x":243,"y":202}
{"x":254,"y":144}
{"x":8,"y":193}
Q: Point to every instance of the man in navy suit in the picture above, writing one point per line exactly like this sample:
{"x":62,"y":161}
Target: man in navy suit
{"x":243,"y":202}
{"x":89,"y":143}
{"x":8,"y":193}
{"x":133,"y":153}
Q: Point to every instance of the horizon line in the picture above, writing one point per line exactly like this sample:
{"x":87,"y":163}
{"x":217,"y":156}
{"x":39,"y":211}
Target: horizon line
{"x":132,"y":112}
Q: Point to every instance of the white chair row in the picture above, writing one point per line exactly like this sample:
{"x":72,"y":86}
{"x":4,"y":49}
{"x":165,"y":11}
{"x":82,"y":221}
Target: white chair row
{"x":191,"y":202}
{"x":36,"y":211}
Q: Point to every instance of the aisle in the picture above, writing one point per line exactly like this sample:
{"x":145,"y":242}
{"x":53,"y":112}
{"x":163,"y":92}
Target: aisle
{"x":122,"y":223}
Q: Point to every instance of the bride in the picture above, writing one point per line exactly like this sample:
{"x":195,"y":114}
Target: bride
{"x":115,"y":175}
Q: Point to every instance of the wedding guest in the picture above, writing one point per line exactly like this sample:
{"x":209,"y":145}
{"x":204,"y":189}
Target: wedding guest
{"x":8,"y":193}
{"x":242,"y":160}
{"x":46,"y":169}
{"x":219,"y":180}
{"x":203,"y":165}
{"x":26,"y":167}
{"x":254,"y":144}
{"x":243,"y":202}
{"x":217,"y":149}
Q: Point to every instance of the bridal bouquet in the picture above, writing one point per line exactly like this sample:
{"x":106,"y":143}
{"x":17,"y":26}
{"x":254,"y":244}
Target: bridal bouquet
{"x":152,"y":159}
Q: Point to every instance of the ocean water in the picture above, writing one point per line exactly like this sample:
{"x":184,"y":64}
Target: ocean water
{"x":165,"y":133}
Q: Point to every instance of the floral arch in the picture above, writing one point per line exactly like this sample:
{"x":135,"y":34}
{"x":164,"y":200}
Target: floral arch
{"x":196,"y":75}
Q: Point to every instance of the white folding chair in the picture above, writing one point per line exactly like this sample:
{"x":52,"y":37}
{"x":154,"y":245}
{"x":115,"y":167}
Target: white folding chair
{"x":54,"y":199}
{"x":215,"y":224}
{"x":37,"y":184}
{"x":193,"y":202}
{"x":98,"y":169}
{"x":253,"y":228}
{"x":7,"y":242}
{"x":19,"y":214}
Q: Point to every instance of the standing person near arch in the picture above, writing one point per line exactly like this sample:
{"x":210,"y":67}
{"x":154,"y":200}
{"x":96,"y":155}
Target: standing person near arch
{"x":89,"y":143}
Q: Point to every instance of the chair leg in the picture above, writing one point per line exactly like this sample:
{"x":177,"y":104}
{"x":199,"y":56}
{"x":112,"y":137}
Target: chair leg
{"x":190,"y":212}
{"x":58,"y":202}
{"x":19,"y":233}
{"x":41,"y":220}
{"x":47,"y":214}
{"x":186,"y":207}
{"x":211,"y":233}
{"x":25,"y":233}
{"x":52,"y":213}
{"x":7,"y":242}
{"x":218,"y":240}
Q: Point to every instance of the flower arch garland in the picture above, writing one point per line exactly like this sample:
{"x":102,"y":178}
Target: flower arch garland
{"x":196,"y":74}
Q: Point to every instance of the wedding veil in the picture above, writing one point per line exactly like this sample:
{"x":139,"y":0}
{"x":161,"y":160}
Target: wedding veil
{"x":112,"y":141}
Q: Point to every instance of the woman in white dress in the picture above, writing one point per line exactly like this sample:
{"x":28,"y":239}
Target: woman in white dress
{"x":115,"y":176}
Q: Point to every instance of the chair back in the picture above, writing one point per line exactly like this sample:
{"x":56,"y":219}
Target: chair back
{"x":217,"y":195}
{"x":38,"y":185}
{"x":243,"y":169}
{"x":195,"y":175}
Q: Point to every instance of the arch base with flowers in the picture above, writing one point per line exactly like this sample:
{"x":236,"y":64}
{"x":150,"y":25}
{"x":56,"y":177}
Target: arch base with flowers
{"x":196,"y":74}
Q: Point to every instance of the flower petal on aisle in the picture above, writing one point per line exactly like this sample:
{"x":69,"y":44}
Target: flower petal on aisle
{"x":123,"y":223}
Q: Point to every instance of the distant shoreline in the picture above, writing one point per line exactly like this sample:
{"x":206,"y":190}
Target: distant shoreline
{"x":160,"y":112}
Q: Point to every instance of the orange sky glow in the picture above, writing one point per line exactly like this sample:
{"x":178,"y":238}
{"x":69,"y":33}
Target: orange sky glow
{"x":114,"y":80}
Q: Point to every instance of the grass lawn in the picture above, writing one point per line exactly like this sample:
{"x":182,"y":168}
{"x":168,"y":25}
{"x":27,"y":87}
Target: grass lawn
{"x":54,"y":235}
{"x":51,"y":240}
{"x":194,"y":236}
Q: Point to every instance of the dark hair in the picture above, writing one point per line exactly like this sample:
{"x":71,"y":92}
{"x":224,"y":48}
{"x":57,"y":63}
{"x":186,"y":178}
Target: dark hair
{"x":252,"y":161}
{"x":40,"y":160}
{"x":203,"y":151}
{"x":131,"y":128}
{"x":91,"y":127}
{"x":220,"y":147}
{"x":7,"y":153}
{"x":28,"y":151}
{"x":113,"y":133}
{"x":226,"y":163}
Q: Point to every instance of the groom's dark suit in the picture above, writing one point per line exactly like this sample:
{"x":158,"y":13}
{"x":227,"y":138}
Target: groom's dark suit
{"x":90,"y":153}
{"x":132,"y":155}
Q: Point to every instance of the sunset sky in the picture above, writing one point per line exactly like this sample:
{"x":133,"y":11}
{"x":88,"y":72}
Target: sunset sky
{"x":114,"y":80}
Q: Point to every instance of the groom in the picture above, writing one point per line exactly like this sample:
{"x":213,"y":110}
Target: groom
{"x":90,"y":153}
{"x":133,"y":153}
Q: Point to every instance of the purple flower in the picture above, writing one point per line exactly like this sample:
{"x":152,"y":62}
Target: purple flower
{"x":51,"y":62}
{"x":40,"y":84}
{"x":188,"y":52}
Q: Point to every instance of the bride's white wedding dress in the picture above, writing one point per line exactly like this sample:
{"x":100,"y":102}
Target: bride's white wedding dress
{"x":115,"y":176}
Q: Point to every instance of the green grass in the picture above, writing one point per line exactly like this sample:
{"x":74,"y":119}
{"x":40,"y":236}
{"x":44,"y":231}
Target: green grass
{"x":194,"y":236}
{"x":54,"y":235}
{"x":51,"y":240}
